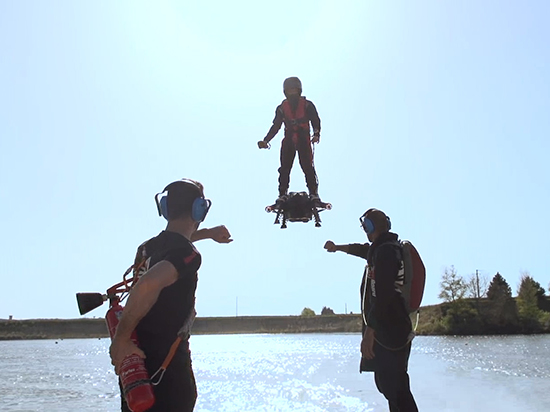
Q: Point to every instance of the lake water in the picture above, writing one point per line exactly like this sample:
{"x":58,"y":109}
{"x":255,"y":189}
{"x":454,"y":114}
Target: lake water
{"x":306,"y":372}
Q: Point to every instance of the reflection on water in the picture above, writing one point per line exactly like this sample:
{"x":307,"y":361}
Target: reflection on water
{"x":289,"y":373}
{"x":510,"y":355}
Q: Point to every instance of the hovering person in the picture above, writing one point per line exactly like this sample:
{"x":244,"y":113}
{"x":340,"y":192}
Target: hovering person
{"x":297,"y":113}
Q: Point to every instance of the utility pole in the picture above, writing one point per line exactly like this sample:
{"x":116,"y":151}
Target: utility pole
{"x":477,"y":284}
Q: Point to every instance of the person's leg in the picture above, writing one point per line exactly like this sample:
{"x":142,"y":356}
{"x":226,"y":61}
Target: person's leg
{"x":288,"y":152}
{"x":177,"y":391}
{"x":305,"y":155}
{"x":392,"y":379}
{"x":193,"y":385}
{"x":405,"y":398}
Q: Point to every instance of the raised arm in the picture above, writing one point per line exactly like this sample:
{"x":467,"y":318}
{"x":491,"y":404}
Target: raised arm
{"x":218,"y":234}
{"x":355,"y":249}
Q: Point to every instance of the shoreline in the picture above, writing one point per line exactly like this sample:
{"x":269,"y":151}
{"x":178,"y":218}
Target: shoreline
{"x":89,"y":328}
{"x":30,"y":329}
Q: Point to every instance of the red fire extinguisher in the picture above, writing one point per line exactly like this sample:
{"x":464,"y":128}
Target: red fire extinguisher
{"x":136,"y":384}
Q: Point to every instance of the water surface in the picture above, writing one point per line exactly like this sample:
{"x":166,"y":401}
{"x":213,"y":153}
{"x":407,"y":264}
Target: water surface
{"x":305,"y":372}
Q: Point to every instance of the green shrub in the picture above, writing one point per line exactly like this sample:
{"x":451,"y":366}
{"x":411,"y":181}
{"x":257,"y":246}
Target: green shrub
{"x":307,"y":313}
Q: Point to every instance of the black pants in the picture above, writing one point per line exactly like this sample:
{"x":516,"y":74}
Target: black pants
{"x":305,"y":154}
{"x":392,"y":379}
{"x":177,"y":391}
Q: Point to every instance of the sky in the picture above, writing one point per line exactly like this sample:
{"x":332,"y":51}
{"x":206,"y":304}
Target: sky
{"x":435,"y":112}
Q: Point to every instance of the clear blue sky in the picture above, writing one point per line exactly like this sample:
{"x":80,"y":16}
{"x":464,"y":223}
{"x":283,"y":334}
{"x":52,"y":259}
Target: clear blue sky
{"x":435,"y":112}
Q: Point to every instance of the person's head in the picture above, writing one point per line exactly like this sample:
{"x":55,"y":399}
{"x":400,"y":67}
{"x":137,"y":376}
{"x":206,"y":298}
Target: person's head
{"x":374,"y":223}
{"x":292,"y":88}
{"x":183,"y":199}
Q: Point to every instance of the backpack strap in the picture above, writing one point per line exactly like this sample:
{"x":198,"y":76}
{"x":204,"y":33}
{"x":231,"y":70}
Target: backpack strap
{"x":394,"y":243}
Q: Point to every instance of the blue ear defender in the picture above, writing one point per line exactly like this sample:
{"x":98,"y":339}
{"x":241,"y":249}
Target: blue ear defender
{"x":164,"y":207}
{"x":199,"y":209}
{"x":368,"y":225}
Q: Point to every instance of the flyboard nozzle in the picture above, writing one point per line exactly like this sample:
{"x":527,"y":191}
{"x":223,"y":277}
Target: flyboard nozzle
{"x":89,"y":301}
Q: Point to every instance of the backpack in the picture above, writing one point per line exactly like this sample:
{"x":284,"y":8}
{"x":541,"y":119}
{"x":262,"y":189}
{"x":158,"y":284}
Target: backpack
{"x":414,"y":275}
{"x":412,"y":289}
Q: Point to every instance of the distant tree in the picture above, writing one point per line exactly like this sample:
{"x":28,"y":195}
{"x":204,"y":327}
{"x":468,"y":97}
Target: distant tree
{"x":501,"y":314}
{"x":529,"y":292}
{"x":476,"y":286}
{"x":326,"y":311}
{"x":499,"y":288}
{"x":307,"y":313}
{"x":541,"y":294}
{"x":453,"y":286}
{"x":462,"y":318}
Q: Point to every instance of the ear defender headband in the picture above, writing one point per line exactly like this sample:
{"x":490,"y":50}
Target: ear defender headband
{"x":368,"y":225}
{"x":200,"y":206}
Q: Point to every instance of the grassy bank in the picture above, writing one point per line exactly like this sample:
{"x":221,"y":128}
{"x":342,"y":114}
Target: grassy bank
{"x":96,"y":328}
{"x":467,"y":317}
{"x":483,"y":317}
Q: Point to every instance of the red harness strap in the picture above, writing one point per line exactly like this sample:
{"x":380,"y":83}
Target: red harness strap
{"x":296,"y":120}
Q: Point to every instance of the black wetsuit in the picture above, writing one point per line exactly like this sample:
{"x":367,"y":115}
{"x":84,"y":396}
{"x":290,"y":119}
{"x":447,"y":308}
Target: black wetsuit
{"x":384,"y":310}
{"x":302,"y":146}
{"x":159,"y":327}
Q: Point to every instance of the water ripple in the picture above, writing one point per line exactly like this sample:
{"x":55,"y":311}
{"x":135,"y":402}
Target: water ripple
{"x":270,"y":373}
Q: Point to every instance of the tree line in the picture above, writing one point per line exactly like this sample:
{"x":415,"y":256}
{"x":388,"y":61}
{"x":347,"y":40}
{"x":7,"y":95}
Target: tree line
{"x":474,"y":305}
{"x":308,"y":312}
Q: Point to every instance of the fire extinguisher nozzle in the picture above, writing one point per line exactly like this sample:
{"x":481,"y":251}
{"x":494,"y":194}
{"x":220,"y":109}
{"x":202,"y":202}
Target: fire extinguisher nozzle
{"x":89,"y":301}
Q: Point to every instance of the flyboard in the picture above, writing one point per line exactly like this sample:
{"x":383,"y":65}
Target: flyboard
{"x":297,"y":207}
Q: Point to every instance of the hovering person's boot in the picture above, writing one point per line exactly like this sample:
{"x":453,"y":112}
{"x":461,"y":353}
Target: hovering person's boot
{"x":283,"y":197}
{"x":314,"y":196}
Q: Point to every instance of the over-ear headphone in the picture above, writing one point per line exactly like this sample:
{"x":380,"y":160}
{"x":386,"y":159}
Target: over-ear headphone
{"x":368,"y":224}
{"x":200,"y":206}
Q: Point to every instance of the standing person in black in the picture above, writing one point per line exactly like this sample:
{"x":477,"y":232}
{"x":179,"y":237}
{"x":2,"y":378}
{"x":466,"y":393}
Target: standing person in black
{"x":387,"y":327}
{"x":296,"y":112}
{"x":163,"y":300}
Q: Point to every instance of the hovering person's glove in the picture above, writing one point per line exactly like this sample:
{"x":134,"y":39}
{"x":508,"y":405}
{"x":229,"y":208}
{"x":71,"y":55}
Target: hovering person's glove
{"x":316,"y":138}
{"x":262,"y":144}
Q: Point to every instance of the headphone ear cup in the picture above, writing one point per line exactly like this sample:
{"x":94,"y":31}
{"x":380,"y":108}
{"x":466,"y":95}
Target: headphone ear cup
{"x":164,"y":206}
{"x":389,"y":223}
{"x":200,"y":209}
{"x":369,"y":226}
